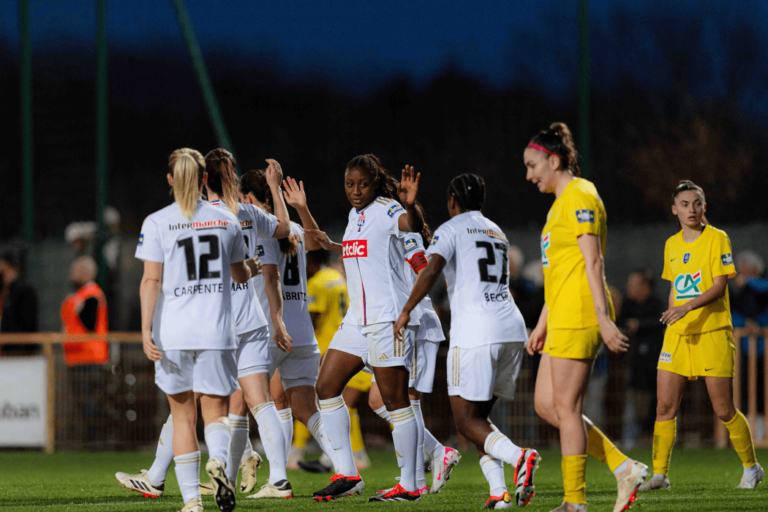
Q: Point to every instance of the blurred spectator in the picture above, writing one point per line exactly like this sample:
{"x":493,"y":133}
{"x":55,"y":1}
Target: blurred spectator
{"x":79,"y":235}
{"x":18,"y":305}
{"x":82,"y":313}
{"x":639,"y":318}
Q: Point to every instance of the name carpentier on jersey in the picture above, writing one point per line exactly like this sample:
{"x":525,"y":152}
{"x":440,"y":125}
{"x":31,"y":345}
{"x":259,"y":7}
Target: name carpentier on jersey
{"x":196,"y":289}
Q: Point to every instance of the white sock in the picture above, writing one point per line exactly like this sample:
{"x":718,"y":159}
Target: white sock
{"x":272,"y":438}
{"x":337,"y":424}
{"x":383,"y":413}
{"x":188,"y":475}
{"x":217,"y":437}
{"x":421,"y":480}
{"x":163,"y":454}
{"x":248,"y":450}
{"x":406,"y":436}
{"x":748,"y":471}
{"x":432,"y":446}
{"x":239,"y":427}
{"x":286,"y":421}
{"x":493,"y":469}
{"x":498,"y":446}
{"x":315,"y":426}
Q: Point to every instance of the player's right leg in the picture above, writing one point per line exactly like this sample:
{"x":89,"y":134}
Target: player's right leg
{"x":152,"y":483}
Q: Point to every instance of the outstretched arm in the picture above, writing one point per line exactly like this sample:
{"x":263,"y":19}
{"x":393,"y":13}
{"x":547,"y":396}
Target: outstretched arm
{"x":274,"y":177}
{"x":424,"y":283}
{"x":324,"y":241}
{"x":295,"y":196}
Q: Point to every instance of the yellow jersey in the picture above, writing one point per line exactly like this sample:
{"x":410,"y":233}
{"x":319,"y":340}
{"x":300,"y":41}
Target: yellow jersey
{"x":578,"y":211}
{"x":327,"y":293}
{"x":692,"y":268}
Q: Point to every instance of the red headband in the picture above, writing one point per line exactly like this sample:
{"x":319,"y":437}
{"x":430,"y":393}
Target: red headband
{"x":542,"y":149}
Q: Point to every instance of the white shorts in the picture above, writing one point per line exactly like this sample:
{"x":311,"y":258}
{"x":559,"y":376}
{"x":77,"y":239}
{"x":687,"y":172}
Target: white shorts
{"x":423,"y":366}
{"x":430,"y":328}
{"x":478,"y":374}
{"x":210,"y":372}
{"x":299,"y":367}
{"x":349,"y":338}
{"x":384,"y":350}
{"x":253,"y":354}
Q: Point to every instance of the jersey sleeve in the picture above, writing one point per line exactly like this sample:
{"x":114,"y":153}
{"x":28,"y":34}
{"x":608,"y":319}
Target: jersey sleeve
{"x":443,"y":243}
{"x":149,"y":247}
{"x":415,"y":255}
{"x":268,"y":251}
{"x":583,"y":214}
{"x":666,"y":274}
{"x":318,"y":296}
{"x":722,"y":257}
{"x":239,"y":250}
{"x":264,"y":223}
{"x":393,"y":211}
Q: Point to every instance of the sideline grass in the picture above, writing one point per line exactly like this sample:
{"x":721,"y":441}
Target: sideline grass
{"x":702,"y":480}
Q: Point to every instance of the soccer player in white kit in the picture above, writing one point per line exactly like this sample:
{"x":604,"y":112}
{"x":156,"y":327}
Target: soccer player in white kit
{"x":282,"y":291}
{"x":487,"y":333}
{"x":428,"y":338}
{"x":191,"y":252}
{"x":373,"y":256}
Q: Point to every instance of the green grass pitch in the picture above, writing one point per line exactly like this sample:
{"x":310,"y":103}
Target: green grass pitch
{"x":702,"y":480}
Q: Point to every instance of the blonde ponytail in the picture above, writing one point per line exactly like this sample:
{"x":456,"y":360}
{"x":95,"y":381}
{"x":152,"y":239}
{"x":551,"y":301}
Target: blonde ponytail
{"x":187,"y":167}
{"x":222,"y":179}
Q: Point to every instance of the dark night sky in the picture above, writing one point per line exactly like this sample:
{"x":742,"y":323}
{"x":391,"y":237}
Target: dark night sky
{"x":354,"y":46}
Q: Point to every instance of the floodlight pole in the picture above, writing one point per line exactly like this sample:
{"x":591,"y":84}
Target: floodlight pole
{"x":584,"y":89}
{"x":202,"y":76}
{"x":28,"y":211}
{"x":102,"y":137}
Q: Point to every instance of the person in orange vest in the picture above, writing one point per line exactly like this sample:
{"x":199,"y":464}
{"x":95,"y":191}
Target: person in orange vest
{"x":85,"y":312}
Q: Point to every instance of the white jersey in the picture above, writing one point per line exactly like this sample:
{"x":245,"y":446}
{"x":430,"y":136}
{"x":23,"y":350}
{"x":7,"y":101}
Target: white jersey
{"x":293,"y":281}
{"x":430,"y":328}
{"x":194,"y":309}
{"x":246,"y":308}
{"x":373,"y":260}
{"x":477,"y":271}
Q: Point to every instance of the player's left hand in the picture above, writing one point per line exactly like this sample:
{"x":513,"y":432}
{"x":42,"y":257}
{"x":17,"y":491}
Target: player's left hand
{"x":294,"y":194}
{"x":674,"y":314}
{"x":408,"y":186}
{"x":274,"y":173}
{"x":401,"y":324}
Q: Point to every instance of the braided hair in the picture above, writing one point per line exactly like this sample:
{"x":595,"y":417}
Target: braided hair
{"x":468,"y":190}
{"x":558,"y":139}
{"x":255,"y":182}
{"x":386,"y":185}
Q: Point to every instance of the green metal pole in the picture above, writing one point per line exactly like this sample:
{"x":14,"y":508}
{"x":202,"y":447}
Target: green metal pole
{"x":28,"y":212}
{"x":584,"y":90}
{"x":202,"y":76}
{"x":102,"y":135}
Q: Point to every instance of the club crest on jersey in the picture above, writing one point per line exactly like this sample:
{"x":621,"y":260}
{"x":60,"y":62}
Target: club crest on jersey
{"x":259,"y":250}
{"x":355,"y":249}
{"x":686,"y":257}
{"x":687,"y":286}
{"x":727,"y":259}
{"x":544,"y":247}
{"x":410,"y":245}
{"x":394,"y":209}
{"x":141,"y":239}
{"x":585,"y":216}
{"x":360,"y":221}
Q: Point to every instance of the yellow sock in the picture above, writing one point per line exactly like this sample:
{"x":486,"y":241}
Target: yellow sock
{"x":301,"y":435}
{"x":664,"y":434}
{"x":602,"y":449}
{"x":741,"y":437}
{"x":355,"y":434}
{"x":575,"y":478}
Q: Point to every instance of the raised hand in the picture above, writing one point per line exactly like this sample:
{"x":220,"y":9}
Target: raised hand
{"x":408,"y":186}
{"x":274,"y":173}
{"x":294,"y":193}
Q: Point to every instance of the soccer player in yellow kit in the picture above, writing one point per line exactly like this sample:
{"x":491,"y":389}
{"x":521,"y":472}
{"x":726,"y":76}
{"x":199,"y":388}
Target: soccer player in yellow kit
{"x":698,"y":261}
{"x":577,"y":317}
{"x":328,"y":303}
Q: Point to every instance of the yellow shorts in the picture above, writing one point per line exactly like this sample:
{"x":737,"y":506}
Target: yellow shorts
{"x":709,"y":354}
{"x":361,"y":382}
{"x":574,"y":343}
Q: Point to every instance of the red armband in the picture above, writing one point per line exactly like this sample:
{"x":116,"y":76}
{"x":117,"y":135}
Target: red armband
{"x":418,"y":261}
